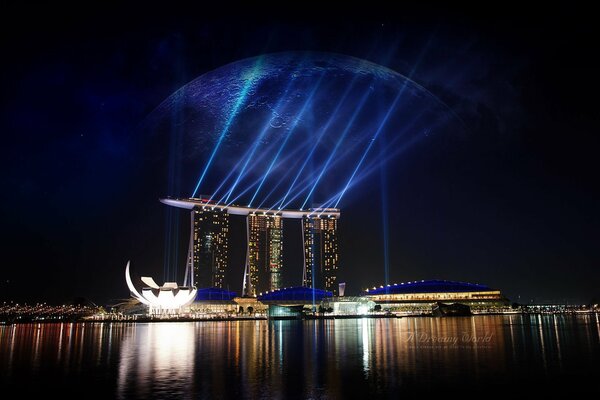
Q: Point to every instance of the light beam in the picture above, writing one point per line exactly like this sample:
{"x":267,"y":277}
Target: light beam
{"x":255,"y":146}
{"x":240,"y":100}
{"x":362,"y":102}
{"x":292,"y":129}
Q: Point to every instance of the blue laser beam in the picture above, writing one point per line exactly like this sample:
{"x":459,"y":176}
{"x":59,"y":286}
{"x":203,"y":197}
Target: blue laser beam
{"x":310,"y":179}
{"x":384,"y":214}
{"x":307,"y":102}
{"x":281,"y":179}
{"x":391,"y":144}
{"x":240,"y":100}
{"x":370,"y":168}
{"x":256,"y":144}
{"x":172,"y":223}
{"x":349,"y":125}
{"x":388,"y":114}
{"x":282,"y":162}
{"x":322,"y":132}
{"x":379,"y":130}
{"x":235,"y":167}
{"x":374,"y":165}
{"x":254,"y":183}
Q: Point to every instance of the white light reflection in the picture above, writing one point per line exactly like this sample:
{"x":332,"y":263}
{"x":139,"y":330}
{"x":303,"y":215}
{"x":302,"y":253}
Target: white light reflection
{"x":366,"y":340}
{"x":541,"y":335}
{"x":157,"y":358}
{"x":280,"y":340}
{"x":557,"y":335}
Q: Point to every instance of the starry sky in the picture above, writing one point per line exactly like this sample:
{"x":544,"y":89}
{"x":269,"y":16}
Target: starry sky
{"x":511,"y":202}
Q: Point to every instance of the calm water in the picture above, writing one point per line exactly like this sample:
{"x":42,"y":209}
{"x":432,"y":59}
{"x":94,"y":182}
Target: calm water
{"x":303,"y":359}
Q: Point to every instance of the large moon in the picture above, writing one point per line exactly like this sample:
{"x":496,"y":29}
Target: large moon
{"x":308,"y":125}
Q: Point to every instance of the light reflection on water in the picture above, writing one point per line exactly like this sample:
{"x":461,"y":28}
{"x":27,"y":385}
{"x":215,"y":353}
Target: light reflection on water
{"x":163,"y":352}
{"x":283,"y":359}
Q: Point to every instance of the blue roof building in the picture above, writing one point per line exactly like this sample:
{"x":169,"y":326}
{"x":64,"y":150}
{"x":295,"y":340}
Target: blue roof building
{"x":428,"y":286}
{"x":214,"y":294}
{"x":432,"y":291}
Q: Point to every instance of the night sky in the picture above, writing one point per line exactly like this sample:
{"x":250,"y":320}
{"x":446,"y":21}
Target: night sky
{"x":511,"y":202}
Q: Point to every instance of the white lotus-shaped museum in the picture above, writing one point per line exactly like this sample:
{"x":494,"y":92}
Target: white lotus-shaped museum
{"x":166,"y":299}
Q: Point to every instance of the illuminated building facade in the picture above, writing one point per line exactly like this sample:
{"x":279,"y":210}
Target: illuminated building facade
{"x":168,"y":299}
{"x":321,"y":255}
{"x":208,"y":252}
{"x":425,"y":293}
{"x":265,"y":253}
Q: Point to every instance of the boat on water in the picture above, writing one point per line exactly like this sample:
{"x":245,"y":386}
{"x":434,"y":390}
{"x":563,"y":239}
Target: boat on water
{"x":440,"y":309}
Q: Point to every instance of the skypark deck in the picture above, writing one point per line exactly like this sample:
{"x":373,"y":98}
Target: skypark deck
{"x":190,"y":203}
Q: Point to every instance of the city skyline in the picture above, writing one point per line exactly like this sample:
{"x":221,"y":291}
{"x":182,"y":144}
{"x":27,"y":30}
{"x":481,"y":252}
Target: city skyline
{"x":306,"y":201}
{"x":506,"y":196}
